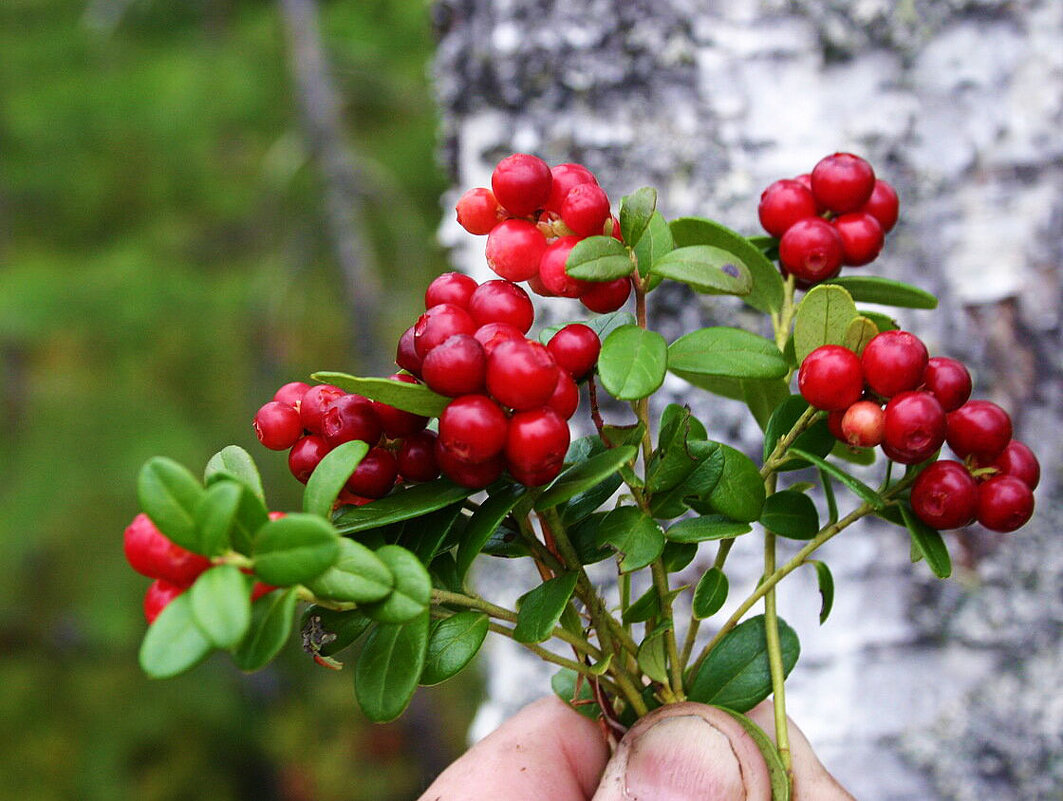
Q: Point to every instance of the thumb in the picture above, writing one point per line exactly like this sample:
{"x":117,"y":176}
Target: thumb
{"x":686,"y":752}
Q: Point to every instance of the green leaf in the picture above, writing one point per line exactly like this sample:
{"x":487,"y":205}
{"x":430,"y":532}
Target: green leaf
{"x":452,"y":643}
{"x":643,"y":608}
{"x":402,"y":505}
{"x":885,"y":291}
{"x":698,"y":484}
{"x":271,"y":624}
{"x":221,"y":605}
{"x":705,"y":269}
{"x":635,"y":534}
{"x":862,"y":456}
{"x":294,"y":549}
{"x":826,"y":589}
{"x":581,"y":506}
{"x":389,"y":668}
{"x":564,"y":684}
{"x":632,"y":362}
{"x":599,"y":258}
{"x":358,"y":575}
{"x":233,"y":461}
{"x":216,"y":515}
{"x":636,"y":210}
{"x":584,"y":476}
{"x":928,"y":542}
{"x":822,"y":319}
{"x":739,"y":494}
{"x":432,"y":530}
{"x":736,"y":674}
{"x":483,"y":523}
{"x":413,"y":398}
{"x":329,"y":631}
{"x":767,"y":294}
{"x":173,"y":643}
{"x":777,"y":773}
{"x":677,"y":555}
{"x":330,"y":476}
{"x":652,"y":656}
{"x":704,"y":528}
{"x":655,"y":242}
{"x":674,"y":460}
{"x":861,"y":330}
{"x":764,"y":397}
{"x":169,"y":495}
{"x":857,"y":486}
{"x":816,"y":439}
{"x":790,"y":514}
{"x":603,"y":325}
{"x":584,"y":537}
{"x":540,"y":610}
{"x":883,"y":322}
{"x":412,"y":591}
{"x":710,"y":594}
{"x":723,"y":351}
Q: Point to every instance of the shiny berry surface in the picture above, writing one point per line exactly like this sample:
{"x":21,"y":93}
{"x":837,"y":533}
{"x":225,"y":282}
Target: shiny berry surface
{"x":406,"y":355}
{"x":552,"y":272}
{"x":565,"y":399}
{"x":606,"y":296}
{"x":811,"y":250}
{"x":514,"y":248}
{"x":914,"y":427}
{"x":478,"y":211}
{"x":397,"y":422}
{"x":883,"y":205}
{"x":491,"y":335}
{"x":457,"y":367}
{"x":1005,"y":503}
{"x":473,"y":428}
{"x":306,"y":455}
{"x":979,"y":428}
{"x":564,"y":178}
{"x":575,"y":348}
{"x":475,"y":475}
{"x":151,"y":553}
{"x":158,"y":597}
{"x":585,"y":209}
{"x":1019,"y":461}
{"x":783,"y":203}
{"x":375,"y":475}
{"x":842,"y":182}
{"x":416,"y":457}
{"x":949,"y":380}
{"x":438,"y":324}
{"x":862,"y":238}
{"x":277,"y":425}
{"x":830,"y":378}
{"x":454,"y":288}
{"x":315,"y":404}
{"x":502,"y":302}
{"x":521,"y":183}
{"x":945,"y":496}
{"x":536,"y":444}
{"x":894,"y":362}
{"x":521,"y":374}
{"x":351,"y":417}
{"x":291,"y":393}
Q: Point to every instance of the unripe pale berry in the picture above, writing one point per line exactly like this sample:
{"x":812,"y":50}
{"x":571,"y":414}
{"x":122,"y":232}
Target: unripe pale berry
{"x":862,"y":424}
{"x":478,"y":211}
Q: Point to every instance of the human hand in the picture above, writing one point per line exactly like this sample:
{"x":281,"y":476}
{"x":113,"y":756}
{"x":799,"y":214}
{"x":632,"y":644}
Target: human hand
{"x":680,"y":752}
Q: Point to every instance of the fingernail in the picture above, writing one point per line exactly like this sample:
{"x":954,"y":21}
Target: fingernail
{"x":683,"y":759}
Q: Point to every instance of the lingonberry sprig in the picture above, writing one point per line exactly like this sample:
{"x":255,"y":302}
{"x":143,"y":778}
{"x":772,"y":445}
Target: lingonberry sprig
{"x":468,"y":450}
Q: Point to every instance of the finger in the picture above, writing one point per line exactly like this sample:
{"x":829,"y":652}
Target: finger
{"x":545,"y":751}
{"x":811,"y":779}
{"x":686,"y":752}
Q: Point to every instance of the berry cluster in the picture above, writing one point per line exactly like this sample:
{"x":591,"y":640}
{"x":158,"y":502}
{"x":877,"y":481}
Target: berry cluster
{"x":173,"y":568}
{"x":839,"y":214}
{"x":533,"y":216}
{"x":926,"y":405}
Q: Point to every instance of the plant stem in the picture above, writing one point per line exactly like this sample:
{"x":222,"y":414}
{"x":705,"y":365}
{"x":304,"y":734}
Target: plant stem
{"x":774,"y":646}
{"x":778,"y":453}
{"x":660,"y":581}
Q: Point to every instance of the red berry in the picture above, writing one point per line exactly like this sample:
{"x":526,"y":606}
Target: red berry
{"x":151,"y":553}
{"x":784,"y":203}
{"x":830,"y":378}
{"x":842,"y":182}
{"x":1019,"y":461}
{"x":565,"y":399}
{"x":564,"y":177}
{"x":811,"y":250}
{"x":944,"y":496}
{"x":862,"y":424}
{"x":521,"y":374}
{"x":914,"y":427}
{"x":536,"y":445}
{"x":894,"y":362}
{"x":396,"y":422}
{"x":306,"y":454}
{"x":439,"y":324}
{"x":315,"y":403}
{"x":575,"y":348}
{"x":606,"y":296}
{"x":502,"y":302}
{"x":979,"y":428}
{"x":1005,"y":503}
{"x":291,"y":393}
{"x":805,"y":179}
{"x":613,"y":229}
{"x":521,"y":183}
{"x":514,"y":248}
{"x":474,"y":475}
{"x":416,"y":457}
{"x":473,"y":428}
{"x":259,"y":588}
{"x":375,"y":474}
{"x":457,"y":367}
{"x":536,"y":285}
{"x":834,"y":423}
{"x":406,"y":355}
{"x":585,"y":209}
{"x":158,"y":597}
{"x":490,"y":335}
{"x":277,"y":425}
{"x":949,"y":380}
{"x":862,"y":238}
{"x":552,"y":272}
{"x":478,"y":211}
{"x":883,"y":205}
{"x":453,"y":288}
{"x":349,"y":418}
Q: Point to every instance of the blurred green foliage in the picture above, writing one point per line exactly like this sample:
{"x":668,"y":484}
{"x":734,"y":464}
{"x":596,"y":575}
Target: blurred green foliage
{"x":163,"y":268}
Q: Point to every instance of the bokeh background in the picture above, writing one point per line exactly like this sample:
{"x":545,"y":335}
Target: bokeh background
{"x":203,"y":199}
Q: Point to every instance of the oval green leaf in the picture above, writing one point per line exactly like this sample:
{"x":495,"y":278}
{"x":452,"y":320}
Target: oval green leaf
{"x":216,"y":515}
{"x":221,"y":605}
{"x":632,"y":362}
{"x":272,"y":617}
{"x":822,"y":319}
{"x":389,"y":667}
{"x":173,"y":643}
{"x":412,"y":590}
{"x":636,"y":210}
{"x":294,"y":549}
{"x":861,"y":330}
{"x":413,"y":398}
{"x":329,"y":631}
{"x":234,"y":462}
{"x":576,"y":691}
{"x":330,"y":476}
{"x":704,"y":528}
{"x":635,"y":534}
{"x":816,"y":439}
{"x":928,"y":542}
{"x":723,"y":351}
{"x":169,"y":494}
{"x":483,"y":524}
{"x":858,"y":487}
{"x":780,"y":777}
{"x":452,"y":643}
{"x":736,"y":674}
{"x":655,"y":242}
{"x":885,"y":291}
{"x":698,"y":484}
{"x":739,"y":494}
{"x":402,"y":505}
{"x":599,"y":258}
{"x":540,"y":610}
{"x":710,"y":594}
{"x":790,"y":514}
{"x":358,"y":575}
{"x":652,"y":656}
{"x":826,"y":589}
{"x":584,"y":476}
